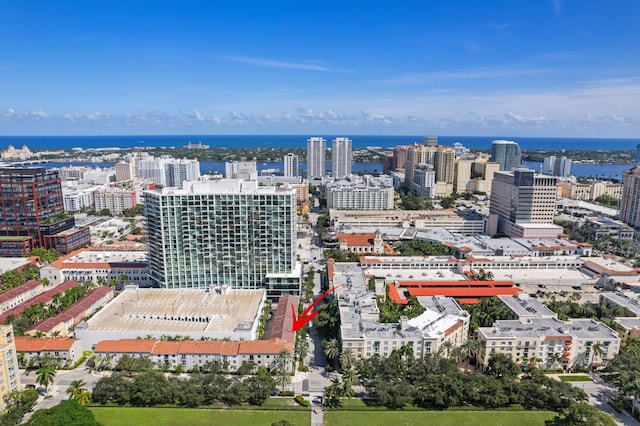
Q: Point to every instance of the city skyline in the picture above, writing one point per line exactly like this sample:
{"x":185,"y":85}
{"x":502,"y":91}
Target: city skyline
{"x":553,"y":68}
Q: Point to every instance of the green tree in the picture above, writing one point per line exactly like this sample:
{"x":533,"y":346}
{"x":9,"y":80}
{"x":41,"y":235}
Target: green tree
{"x":581,"y":413}
{"x":470,"y":349}
{"x":283,"y":368}
{"x":64,"y":414}
{"x":45,"y":376}
{"x":331,"y":349}
{"x":78,"y":392}
{"x":260,"y":388}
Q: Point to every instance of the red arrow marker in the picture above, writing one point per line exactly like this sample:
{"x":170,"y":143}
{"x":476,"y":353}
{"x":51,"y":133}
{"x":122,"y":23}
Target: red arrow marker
{"x":305,"y":317}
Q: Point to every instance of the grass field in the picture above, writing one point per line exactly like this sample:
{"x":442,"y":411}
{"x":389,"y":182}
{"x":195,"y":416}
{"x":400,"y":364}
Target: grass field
{"x":437,"y":418}
{"x":129,"y":416}
{"x":575,"y":378}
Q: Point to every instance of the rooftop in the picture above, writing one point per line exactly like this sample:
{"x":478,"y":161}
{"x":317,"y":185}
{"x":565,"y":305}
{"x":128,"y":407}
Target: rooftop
{"x":179,"y":310}
{"x":543,"y":327}
{"x":34,"y":344}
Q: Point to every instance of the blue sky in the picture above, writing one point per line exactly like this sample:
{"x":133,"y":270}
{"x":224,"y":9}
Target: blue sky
{"x":521,"y":68}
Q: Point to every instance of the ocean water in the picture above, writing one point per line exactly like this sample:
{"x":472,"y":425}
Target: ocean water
{"x":299,"y":141}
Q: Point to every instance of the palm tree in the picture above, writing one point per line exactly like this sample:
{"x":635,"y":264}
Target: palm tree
{"x":282,"y":367}
{"x":45,"y":376}
{"x":632,"y":347}
{"x":445,"y":349}
{"x":470,"y":349}
{"x":78,"y":392}
{"x":346,"y":359}
{"x":331,"y":349}
{"x":597,"y":350}
{"x":555,"y":359}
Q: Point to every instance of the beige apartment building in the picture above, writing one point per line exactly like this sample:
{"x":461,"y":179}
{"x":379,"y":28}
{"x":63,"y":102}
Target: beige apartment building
{"x":9,"y":373}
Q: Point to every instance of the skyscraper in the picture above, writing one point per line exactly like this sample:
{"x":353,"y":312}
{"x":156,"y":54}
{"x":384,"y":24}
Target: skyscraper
{"x":341,"y":158}
{"x":506,"y":153}
{"x":316,"y":158}
{"x":167,"y":171}
{"x":291,"y":165}
{"x":630,"y":200}
{"x":520,"y":201}
{"x":227,"y":232}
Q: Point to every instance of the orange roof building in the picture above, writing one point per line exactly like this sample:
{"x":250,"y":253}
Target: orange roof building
{"x":65,"y":349}
{"x":195,"y":353}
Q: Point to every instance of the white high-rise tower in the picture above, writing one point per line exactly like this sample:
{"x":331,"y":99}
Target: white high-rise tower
{"x":316,"y":158}
{"x":341,"y":158}
{"x":291,"y":165}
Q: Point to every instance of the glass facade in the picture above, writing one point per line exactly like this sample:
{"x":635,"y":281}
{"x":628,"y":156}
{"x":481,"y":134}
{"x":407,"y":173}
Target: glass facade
{"x":234,"y":238}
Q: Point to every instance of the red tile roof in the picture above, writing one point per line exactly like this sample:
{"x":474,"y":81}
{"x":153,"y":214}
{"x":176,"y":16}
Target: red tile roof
{"x":45,"y":298}
{"x":219,"y":347}
{"x":34,"y":344}
{"x":282,"y":325}
{"x":157,"y":347}
{"x":271,"y":346}
{"x":79,"y":308}
{"x":360,"y":240}
{"x":16,"y":291}
{"x":125,"y":346}
{"x":464,"y":292}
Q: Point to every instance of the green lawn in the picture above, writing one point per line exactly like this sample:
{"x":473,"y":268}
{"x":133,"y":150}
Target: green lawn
{"x":575,"y":378}
{"x":128,"y":416}
{"x":437,"y":418}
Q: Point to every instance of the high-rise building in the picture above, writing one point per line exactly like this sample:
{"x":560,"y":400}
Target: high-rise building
{"x":167,"y":171}
{"x":556,"y":166}
{"x":226,"y":232}
{"x":124,"y":171}
{"x":341,"y":158}
{"x":178,"y":171}
{"x":424,"y":181}
{"x":361,"y":193}
{"x":630,"y":199}
{"x":523,"y":204}
{"x":316,"y":158}
{"x":506,"y":153}
{"x":399,"y":157}
{"x":441,"y":158}
{"x":9,"y":372}
{"x":32,"y":207}
{"x":291,"y":165}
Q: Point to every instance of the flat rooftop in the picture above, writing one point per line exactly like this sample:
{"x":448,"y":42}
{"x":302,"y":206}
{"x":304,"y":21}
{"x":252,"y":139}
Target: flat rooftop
{"x":541,"y":327}
{"x":11,"y":263}
{"x":179,"y":311}
{"x":609,"y":266}
{"x":524,"y":306}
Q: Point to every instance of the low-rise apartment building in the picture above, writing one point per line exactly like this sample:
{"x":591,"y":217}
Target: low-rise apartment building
{"x":20,"y":294}
{"x":549,"y":342}
{"x":66,"y":350}
{"x":364,"y":335}
{"x":195,"y":353}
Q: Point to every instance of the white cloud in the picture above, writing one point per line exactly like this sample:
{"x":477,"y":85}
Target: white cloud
{"x":270,"y":63}
{"x":197,"y":115}
{"x":10,"y":112}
